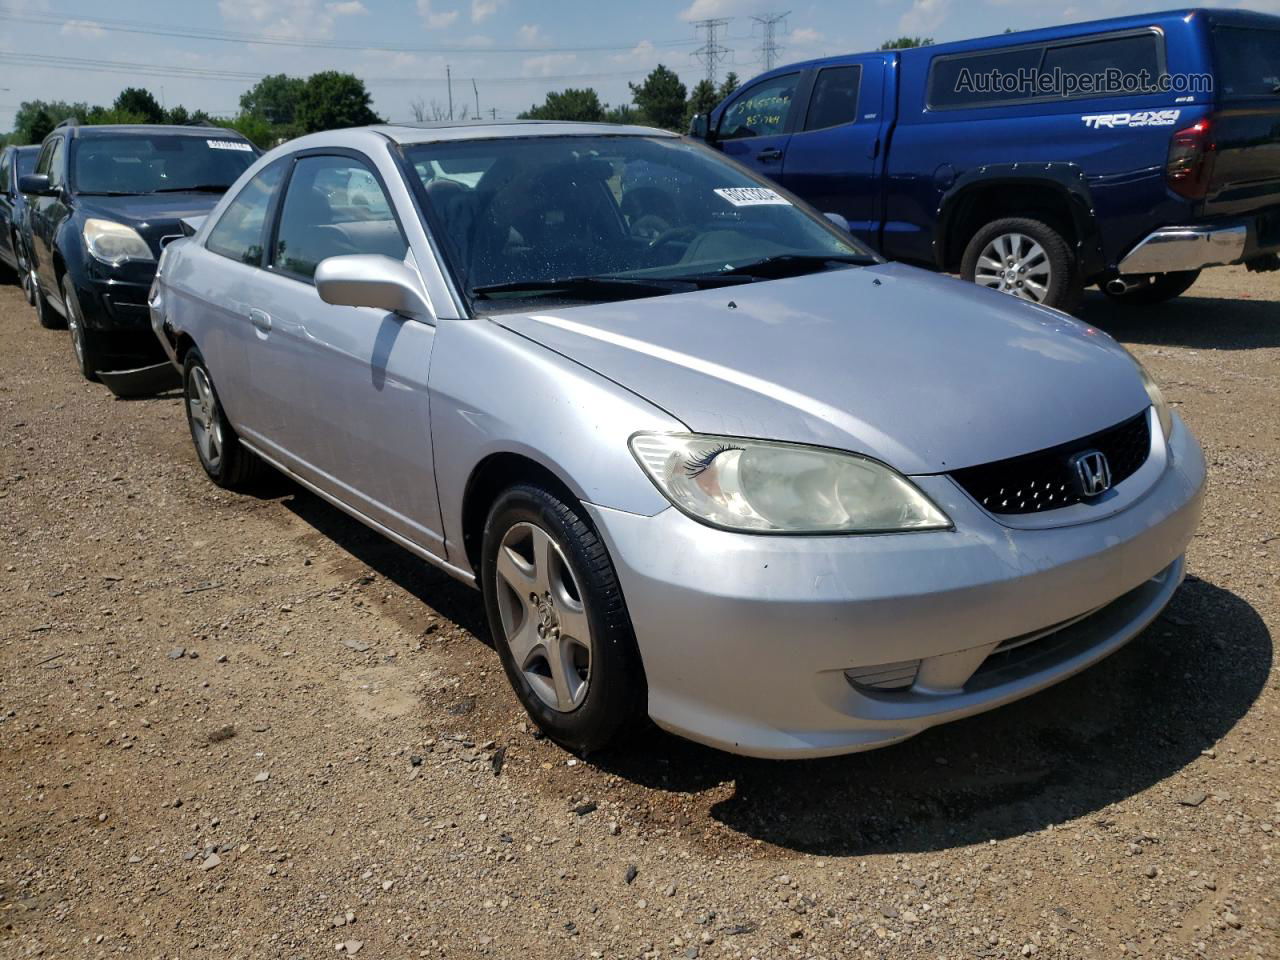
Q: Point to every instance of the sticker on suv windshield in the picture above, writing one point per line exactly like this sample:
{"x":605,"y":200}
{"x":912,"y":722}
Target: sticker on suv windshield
{"x":753,"y":197}
{"x":229,"y":145}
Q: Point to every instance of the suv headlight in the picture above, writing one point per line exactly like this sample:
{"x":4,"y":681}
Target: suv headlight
{"x":762,"y":486}
{"x":114,"y":243}
{"x":1163,"y":411}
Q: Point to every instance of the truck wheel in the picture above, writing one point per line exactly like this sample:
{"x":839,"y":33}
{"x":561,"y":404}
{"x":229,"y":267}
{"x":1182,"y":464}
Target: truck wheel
{"x":558,"y":620}
{"x":1025,"y":258}
{"x":1156,"y":288}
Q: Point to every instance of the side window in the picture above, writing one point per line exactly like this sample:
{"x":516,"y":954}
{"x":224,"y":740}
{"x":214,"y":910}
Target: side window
{"x":6,"y":170}
{"x":957,"y":81}
{"x":238,"y":235}
{"x":42,"y":163}
{"x":1128,"y":54}
{"x":57,"y":167}
{"x":760,"y":111}
{"x":333,"y":206}
{"x":835,"y":98}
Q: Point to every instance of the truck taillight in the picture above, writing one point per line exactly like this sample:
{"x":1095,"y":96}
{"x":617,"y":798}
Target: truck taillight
{"x":1190,"y":165}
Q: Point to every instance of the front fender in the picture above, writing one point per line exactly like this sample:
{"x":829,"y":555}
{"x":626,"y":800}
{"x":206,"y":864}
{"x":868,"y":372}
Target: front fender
{"x":493,"y":392}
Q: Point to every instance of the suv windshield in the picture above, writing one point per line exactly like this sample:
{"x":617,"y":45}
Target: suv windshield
{"x":601,"y":217}
{"x":159,"y":163}
{"x":1248,"y":61}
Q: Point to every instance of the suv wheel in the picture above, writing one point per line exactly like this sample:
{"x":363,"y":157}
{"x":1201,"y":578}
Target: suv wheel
{"x":227,"y":463}
{"x":84,"y":342}
{"x":1025,"y":258}
{"x":558,"y":620}
{"x":1156,"y":288}
{"x":46,"y":316}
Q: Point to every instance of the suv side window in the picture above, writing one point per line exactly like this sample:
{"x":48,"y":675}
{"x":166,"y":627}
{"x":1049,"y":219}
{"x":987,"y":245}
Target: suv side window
{"x":57,"y":169}
{"x":42,"y":162}
{"x":334,"y":205}
{"x":835,"y":98}
{"x":238,"y":235}
{"x":6,"y":170}
{"x":760,"y":111}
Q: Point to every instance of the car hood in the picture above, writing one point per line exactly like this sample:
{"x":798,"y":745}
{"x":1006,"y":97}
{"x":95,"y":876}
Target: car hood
{"x":925,"y":372}
{"x":152,"y":215}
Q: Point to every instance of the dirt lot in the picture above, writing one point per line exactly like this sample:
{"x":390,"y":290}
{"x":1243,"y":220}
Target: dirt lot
{"x":244,"y":726}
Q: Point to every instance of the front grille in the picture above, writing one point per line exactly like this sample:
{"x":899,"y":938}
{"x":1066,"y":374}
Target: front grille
{"x":1041,"y":481}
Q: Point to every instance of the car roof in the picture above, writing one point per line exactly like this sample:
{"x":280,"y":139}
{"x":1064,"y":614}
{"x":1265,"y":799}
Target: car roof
{"x":116,"y":129}
{"x":410,"y":133}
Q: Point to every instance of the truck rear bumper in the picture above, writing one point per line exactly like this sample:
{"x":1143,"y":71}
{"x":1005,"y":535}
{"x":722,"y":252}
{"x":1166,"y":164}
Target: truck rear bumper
{"x":1172,"y":249}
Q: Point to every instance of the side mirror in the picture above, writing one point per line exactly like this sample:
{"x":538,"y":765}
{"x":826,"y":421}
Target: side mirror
{"x":372,"y":280}
{"x":36,"y":184}
{"x":700,"y":127}
{"x":838,"y":220}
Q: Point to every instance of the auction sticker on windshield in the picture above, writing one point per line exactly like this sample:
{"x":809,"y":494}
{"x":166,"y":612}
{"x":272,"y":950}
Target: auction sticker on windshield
{"x":229,"y":145}
{"x":753,"y":197}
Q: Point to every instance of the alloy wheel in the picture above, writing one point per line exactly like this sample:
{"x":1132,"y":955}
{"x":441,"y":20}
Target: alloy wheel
{"x":1014,"y":263}
{"x":544,"y":620}
{"x":206,"y":421}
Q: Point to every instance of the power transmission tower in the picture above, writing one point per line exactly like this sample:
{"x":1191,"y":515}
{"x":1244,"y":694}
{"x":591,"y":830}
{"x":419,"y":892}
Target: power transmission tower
{"x":769,"y":46}
{"x":712,"y":52}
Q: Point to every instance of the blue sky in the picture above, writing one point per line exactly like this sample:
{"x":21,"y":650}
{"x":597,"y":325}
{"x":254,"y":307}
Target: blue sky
{"x":515,"y":50}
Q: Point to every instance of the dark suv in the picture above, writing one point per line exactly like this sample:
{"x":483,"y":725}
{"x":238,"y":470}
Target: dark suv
{"x":14,"y":163}
{"x":104,"y":201}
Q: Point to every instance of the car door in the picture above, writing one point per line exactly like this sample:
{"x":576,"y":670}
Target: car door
{"x":755,"y":126}
{"x":348,"y":385}
{"x":833,"y":157}
{"x":43,"y":212}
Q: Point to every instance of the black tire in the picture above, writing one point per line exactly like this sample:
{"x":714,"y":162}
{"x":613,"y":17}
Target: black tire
{"x":46,"y":316}
{"x":1156,"y":288}
{"x":85,"y":345}
{"x":234,"y":467}
{"x":1063,"y":289}
{"x":614,"y":703}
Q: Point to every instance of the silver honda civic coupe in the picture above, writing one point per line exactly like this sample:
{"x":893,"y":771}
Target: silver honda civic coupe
{"x":708,"y":459}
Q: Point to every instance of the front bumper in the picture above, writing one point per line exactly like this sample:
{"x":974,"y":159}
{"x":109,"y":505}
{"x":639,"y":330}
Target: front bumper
{"x":115,"y":310}
{"x":749,"y":643}
{"x":1175,"y":249}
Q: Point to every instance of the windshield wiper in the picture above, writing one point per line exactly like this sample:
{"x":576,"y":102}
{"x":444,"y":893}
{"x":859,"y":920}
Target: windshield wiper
{"x":794,"y":264}
{"x":591,"y":285}
{"x":196,"y":188}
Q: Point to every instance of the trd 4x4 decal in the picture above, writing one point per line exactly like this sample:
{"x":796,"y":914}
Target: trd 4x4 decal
{"x":1143,"y":118}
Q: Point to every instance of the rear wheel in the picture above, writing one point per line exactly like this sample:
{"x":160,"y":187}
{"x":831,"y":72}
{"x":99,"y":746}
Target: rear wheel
{"x":1156,"y":288}
{"x":84,"y":342}
{"x":224,"y":459}
{"x":558,"y":620}
{"x":1024,"y":258}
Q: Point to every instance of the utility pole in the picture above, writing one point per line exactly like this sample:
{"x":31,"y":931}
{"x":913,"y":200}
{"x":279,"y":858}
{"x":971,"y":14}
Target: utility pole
{"x":448,"y":79}
{"x":712,"y":52}
{"x":476,"y":90}
{"x":769,"y":45}
{"x":493,"y":112}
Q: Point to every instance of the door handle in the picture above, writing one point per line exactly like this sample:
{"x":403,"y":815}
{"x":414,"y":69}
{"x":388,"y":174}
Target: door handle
{"x":261,"y":320}
{"x":769,"y":155}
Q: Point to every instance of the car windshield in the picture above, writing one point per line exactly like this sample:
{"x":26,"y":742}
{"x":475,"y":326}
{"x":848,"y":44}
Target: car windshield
{"x":160,"y":163}
{"x":596,"y":217}
{"x":1248,"y":61}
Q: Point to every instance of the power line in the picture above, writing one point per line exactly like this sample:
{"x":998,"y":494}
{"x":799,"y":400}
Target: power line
{"x":769,"y":46}
{"x":232,"y":36}
{"x":712,"y":52}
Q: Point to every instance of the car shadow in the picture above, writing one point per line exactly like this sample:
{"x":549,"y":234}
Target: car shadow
{"x":1128,"y":723}
{"x":1210,"y":323}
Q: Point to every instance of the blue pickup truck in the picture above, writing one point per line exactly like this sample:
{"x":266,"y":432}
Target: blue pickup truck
{"x":1130,"y":153}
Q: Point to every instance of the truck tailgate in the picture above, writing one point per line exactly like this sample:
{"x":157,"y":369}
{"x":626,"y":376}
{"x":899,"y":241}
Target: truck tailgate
{"x":1246,"y":123}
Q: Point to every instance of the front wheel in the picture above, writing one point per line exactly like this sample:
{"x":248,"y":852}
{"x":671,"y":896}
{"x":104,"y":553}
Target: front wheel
{"x":1156,"y":288}
{"x":558,"y":620}
{"x":227,"y":463}
{"x":84,"y":342}
{"x":1025,"y":258}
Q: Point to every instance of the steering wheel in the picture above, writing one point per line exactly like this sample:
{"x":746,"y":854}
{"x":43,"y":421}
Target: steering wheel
{"x":674,"y":235}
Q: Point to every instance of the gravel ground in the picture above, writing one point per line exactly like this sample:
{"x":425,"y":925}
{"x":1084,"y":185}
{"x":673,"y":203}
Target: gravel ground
{"x":244,"y":726}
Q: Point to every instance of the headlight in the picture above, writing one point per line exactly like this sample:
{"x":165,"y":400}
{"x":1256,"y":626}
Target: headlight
{"x":1157,"y":400}
{"x":767,"y":487}
{"x":114,"y":243}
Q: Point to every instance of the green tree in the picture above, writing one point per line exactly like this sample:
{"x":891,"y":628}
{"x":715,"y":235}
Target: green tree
{"x":661,"y":98}
{"x":906,"y":43}
{"x":113,"y":114}
{"x":703,"y":98}
{"x":730,"y":84}
{"x":332,"y":100}
{"x":582,"y":105}
{"x":622,"y":113}
{"x":252,"y":127}
{"x":277,"y":99}
{"x":41,"y":125}
{"x":40,"y":116}
{"x":179,"y":116}
{"x":139,"y":102}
